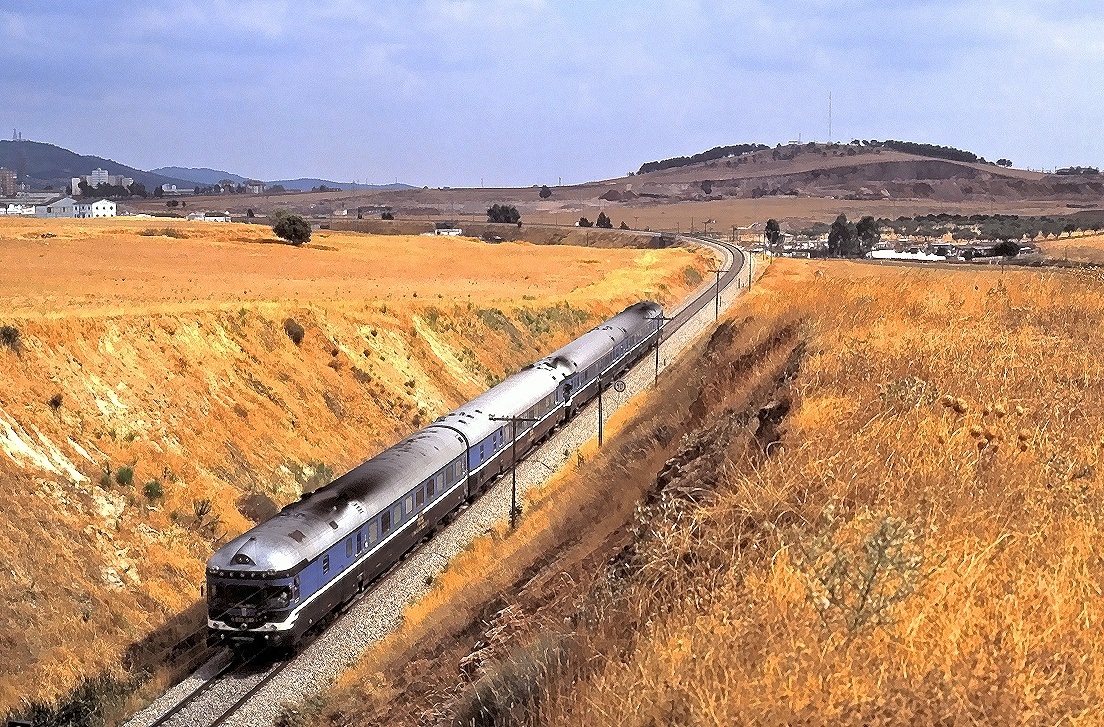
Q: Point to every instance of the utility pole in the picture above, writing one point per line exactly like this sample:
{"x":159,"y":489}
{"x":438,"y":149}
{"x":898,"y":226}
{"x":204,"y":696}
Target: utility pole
{"x":829,"y":117}
{"x":659,"y":319}
{"x":513,"y":461}
{"x":717,"y":304}
{"x":618,"y":386}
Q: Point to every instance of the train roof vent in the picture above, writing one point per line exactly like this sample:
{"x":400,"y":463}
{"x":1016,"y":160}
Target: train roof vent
{"x":333,"y":524}
{"x":297,"y":536}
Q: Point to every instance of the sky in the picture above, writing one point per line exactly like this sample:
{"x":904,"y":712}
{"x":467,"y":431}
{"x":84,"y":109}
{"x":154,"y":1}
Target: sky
{"x":520,"y":92}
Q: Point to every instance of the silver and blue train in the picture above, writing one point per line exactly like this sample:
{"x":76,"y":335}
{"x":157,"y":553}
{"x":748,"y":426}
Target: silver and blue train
{"x":276,"y":582}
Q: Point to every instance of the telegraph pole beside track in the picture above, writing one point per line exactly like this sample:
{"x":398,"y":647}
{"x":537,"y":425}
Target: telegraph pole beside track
{"x":717,"y":304}
{"x":659,"y":329}
{"x":513,"y":461}
{"x":618,"y":386}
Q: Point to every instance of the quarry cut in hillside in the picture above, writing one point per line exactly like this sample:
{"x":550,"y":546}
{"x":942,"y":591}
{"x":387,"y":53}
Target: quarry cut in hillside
{"x":147,"y":417}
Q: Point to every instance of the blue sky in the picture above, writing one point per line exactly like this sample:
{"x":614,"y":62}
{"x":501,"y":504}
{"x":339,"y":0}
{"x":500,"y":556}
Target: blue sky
{"x":517,"y":92}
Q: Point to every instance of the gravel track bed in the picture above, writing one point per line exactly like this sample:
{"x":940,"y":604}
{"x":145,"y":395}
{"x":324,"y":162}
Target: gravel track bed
{"x":379,"y":612}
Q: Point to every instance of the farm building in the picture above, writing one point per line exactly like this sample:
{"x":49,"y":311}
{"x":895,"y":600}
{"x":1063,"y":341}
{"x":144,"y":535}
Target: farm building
{"x":63,"y":207}
{"x":96,"y":208}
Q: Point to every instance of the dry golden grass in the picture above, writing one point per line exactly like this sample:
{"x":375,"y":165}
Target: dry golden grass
{"x":50,"y":268}
{"x":1082,"y":249}
{"x":922,"y":545}
{"x":189,"y":379}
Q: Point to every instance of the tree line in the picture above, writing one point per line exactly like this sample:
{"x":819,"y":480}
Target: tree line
{"x":991,"y":227}
{"x":717,"y":152}
{"x":110,"y":191}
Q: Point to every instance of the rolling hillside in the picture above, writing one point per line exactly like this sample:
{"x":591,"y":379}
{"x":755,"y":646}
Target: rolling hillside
{"x":41,"y":165}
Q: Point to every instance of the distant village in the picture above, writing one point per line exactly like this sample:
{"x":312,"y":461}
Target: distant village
{"x":907,"y":248}
{"x":85,"y":198}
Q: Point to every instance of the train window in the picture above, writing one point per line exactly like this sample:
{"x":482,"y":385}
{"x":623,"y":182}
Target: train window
{"x":360,"y":542}
{"x":373,"y":532}
{"x":325,"y":564}
{"x":409,"y":504}
{"x":396,"y":514}
{"x":429,"y":486}
{"x":385,"y":522}
{"x":419,"y":496}
{"x":348,"y":547}
{"x":480,"y":452}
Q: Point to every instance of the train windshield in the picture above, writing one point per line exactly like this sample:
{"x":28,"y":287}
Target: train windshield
{"x":227,"y":596}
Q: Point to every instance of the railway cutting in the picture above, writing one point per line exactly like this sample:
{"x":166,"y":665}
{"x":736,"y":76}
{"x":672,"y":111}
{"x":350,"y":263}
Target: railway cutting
{"x":260,"y":585}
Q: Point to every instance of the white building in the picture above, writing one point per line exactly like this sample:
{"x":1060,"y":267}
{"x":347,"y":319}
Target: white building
{"x":209,"y":216}
{"x":64,"y":207}
{"x":98,"y":177}
{"x":98,"y":208}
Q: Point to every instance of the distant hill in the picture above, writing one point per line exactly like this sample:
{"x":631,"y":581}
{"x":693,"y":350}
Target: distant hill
{"x":41,"y":165}
{"x":861,"y":170}
{"x":933,"y":151}
{"x":199,"y":175}
{"x":205,"y":176}
{"x":307,"y":184}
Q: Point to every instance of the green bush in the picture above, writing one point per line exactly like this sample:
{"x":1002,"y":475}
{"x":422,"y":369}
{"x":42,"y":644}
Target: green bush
{"x":503,"y":213}
{"x":125,"y":476}
{"x":292,"y":228}
{"x":153,"y":490}
{"x":691,"y":275}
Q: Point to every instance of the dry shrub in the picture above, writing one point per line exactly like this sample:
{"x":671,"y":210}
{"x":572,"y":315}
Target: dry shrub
{"x":11,"y":339}
{"x":294,"y":331}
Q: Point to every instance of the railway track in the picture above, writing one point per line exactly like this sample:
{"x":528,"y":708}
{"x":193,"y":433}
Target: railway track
{"x":221,"y":694}
{"x":224,"y":686}
{"x":734,"y":269}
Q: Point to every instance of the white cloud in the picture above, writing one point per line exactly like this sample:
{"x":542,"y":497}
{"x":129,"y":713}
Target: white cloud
{"x":578,"y":88}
